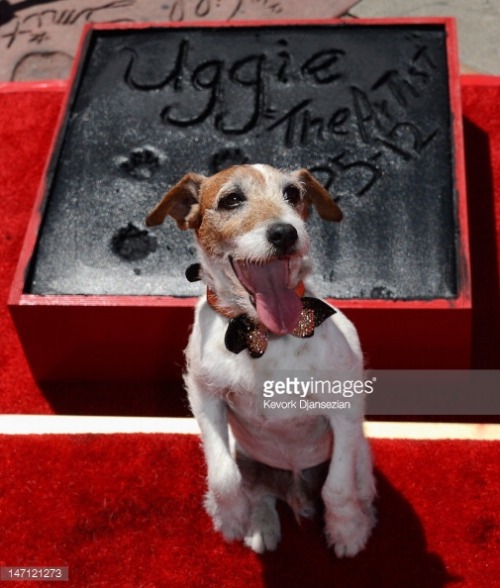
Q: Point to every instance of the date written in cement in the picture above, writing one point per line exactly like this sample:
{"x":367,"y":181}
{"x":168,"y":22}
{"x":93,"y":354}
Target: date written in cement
{"x":34,"y":573}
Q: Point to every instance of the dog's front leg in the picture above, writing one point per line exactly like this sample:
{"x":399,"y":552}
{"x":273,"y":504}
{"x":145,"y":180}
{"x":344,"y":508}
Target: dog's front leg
{"x":348,"y":522}
{"x":226,"y":501}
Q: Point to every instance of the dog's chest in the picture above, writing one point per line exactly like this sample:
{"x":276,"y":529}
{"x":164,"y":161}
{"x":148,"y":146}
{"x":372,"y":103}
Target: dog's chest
{"x":279,"y":438}
{"x":333,"y":351}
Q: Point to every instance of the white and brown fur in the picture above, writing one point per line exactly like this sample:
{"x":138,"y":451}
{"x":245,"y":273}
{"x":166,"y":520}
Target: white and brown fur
{"x":252,"y":459}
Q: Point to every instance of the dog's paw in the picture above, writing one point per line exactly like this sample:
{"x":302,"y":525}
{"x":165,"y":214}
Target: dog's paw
{"x":265,"y":538}
{"x":230,"y":514}
{"x":347,"y":528}
{"x":264,"y":533}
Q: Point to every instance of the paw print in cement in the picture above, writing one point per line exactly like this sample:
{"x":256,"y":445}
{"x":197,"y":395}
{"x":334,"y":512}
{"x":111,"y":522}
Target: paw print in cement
{"x":142,"y":162}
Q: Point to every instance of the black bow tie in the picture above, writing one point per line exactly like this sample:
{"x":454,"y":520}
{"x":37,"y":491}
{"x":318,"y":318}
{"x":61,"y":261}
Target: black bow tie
{"x":243,"y":333}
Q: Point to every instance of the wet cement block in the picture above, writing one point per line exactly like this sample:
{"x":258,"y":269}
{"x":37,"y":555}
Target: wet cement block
{"x":366,"y":108}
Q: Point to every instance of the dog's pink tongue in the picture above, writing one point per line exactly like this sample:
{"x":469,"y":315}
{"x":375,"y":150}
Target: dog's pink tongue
{"x":278,"y":307}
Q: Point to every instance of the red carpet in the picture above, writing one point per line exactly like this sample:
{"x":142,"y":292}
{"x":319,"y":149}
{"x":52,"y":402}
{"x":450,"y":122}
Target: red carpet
{"x":124,"y":511}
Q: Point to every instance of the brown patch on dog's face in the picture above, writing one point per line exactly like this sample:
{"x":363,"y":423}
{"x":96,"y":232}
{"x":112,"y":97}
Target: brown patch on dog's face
{"x":234,"y":202}
{"x":211,"y":188}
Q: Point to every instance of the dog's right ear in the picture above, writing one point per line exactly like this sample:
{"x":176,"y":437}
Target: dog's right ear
{"x":181,"y":202}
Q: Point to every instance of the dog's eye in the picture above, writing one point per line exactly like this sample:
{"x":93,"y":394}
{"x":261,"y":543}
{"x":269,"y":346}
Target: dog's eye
{"x":292,"y":195}
{"x":232,"y":200}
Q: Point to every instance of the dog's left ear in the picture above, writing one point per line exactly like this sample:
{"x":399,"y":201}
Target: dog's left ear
{"x":325,"y":205}
{"x":181,"y":202}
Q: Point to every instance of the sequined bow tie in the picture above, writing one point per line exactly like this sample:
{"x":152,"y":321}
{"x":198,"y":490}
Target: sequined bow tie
{"x":243,"y":333}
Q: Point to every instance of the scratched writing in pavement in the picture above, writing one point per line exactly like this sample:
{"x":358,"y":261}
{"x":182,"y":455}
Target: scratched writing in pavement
{"x":239,"y":97}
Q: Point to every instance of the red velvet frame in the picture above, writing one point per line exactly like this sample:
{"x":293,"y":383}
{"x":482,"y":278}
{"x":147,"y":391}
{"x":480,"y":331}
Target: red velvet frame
{"x":141,"y":338}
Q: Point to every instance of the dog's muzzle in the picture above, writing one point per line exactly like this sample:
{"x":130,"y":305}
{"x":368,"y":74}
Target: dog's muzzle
{"x":283,"y":237}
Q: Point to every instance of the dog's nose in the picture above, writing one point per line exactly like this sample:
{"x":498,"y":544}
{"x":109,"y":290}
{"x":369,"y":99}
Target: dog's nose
{"x":283,"y":236}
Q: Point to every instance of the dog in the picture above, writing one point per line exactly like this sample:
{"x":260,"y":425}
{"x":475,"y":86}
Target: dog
{"x":258,"y":321}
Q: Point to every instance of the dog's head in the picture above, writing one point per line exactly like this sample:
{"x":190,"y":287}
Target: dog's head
{"x":250,"y":227}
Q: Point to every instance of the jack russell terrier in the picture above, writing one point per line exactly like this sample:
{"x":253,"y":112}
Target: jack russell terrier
{"x":258,"y":322}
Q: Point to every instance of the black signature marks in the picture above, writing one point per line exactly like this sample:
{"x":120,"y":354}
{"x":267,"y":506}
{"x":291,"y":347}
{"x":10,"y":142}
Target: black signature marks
{"x":373,"y":129}
{"x":302,"y":126}
{"x":174,"y":76}
{"x":245,"y":74}
{"x":365,"y":170}
{"x":360,"y":175}
{"x":322,"y":66}
{"x":205,"y":77}
{"x":300,"y":99}
{"x":380,"y":133}
{"x":224,"y":82}
{"x":381,"y":121}
{"x":285,"y":64}
{"x":384,"y":115}
{"x":289,"y":120}
{"x":397,"y":86}
{"x":403,"y":86}
{"x":410,"y":138}
{"x":248,"y":73}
